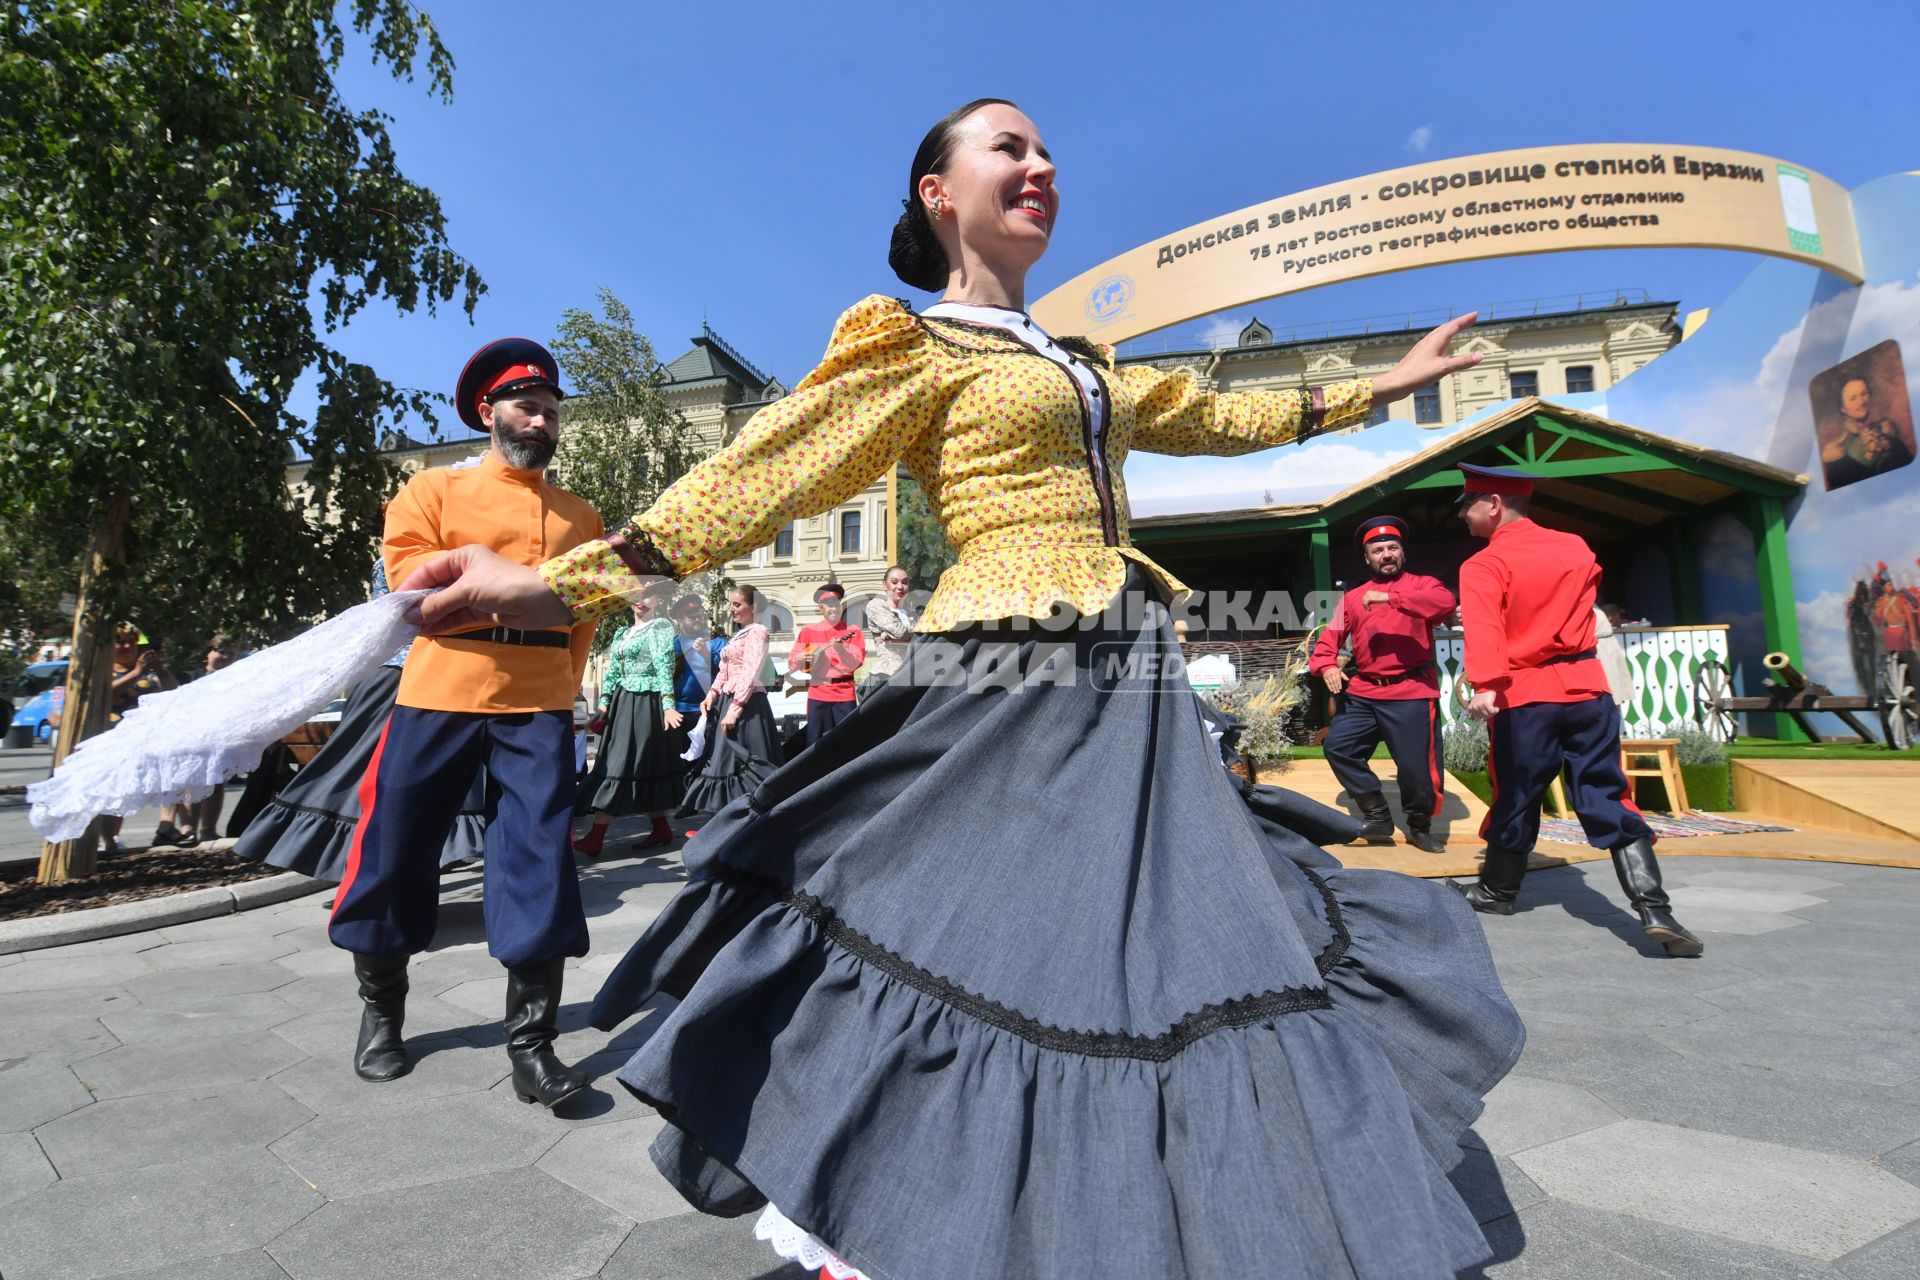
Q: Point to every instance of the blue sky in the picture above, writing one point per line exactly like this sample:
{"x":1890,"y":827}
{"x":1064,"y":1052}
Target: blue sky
{"x":745,"y":162}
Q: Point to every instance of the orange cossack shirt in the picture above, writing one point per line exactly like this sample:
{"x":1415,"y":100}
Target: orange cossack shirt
{"x":523,"y":518}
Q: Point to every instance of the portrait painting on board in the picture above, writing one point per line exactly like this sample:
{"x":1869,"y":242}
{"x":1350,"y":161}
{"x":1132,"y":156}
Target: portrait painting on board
{"x":1863,"y":417}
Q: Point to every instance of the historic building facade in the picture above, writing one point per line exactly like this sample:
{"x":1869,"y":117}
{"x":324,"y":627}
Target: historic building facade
{"x":1534,"y":349}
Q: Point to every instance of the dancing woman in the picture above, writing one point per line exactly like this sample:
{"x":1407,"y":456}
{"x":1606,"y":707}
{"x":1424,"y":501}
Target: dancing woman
{"x":638,"y":769}
{"x":1003,"y":979}
{"x":742,"y":747}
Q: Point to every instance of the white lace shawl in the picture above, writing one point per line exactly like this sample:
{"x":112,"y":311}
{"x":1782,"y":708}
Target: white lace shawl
{"x":181,"y":743}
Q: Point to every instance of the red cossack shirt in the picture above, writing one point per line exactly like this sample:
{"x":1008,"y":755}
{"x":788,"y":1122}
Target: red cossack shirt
{"x":1526,"y":599}
{"x":1389,"y":640}
{"x":835,"y":682}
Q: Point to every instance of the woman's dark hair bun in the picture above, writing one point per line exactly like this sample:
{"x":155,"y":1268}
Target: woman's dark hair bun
{"x":915,"y":253}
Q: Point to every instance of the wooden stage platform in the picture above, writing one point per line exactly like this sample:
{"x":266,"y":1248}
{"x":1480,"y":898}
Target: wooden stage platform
{"x":1863,"y":811}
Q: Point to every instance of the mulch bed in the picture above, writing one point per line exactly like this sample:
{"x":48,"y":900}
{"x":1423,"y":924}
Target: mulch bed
{"x":123,"y":877}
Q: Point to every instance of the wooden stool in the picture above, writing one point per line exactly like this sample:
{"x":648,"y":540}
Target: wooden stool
{"x":1665,"y":754}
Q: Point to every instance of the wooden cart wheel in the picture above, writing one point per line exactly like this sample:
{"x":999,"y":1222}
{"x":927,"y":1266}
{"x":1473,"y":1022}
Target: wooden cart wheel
{"x":1712,"y":688}
{"x":1899,"y":701}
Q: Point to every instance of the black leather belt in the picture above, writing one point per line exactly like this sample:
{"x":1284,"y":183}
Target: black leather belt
{"x":513,"y":635}
{"x":1404,"y":675}
{"x":1581,"y":656}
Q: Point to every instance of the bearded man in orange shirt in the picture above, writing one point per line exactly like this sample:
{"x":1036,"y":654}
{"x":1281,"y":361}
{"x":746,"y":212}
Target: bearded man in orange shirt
{"x":486,"y":695}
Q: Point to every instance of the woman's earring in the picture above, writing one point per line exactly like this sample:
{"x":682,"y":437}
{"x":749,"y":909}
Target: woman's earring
{"x":939,"y":207}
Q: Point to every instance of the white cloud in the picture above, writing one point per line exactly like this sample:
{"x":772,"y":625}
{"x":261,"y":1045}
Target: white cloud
{"x":1159,"y":486}
{"x":1221,"y":331}
{"x":1418,"y":140}
{"x":1825,"y":653}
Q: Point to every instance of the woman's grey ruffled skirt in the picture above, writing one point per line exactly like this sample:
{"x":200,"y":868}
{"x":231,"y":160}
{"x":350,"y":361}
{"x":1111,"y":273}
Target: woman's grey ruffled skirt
{"x":1006,"y":977}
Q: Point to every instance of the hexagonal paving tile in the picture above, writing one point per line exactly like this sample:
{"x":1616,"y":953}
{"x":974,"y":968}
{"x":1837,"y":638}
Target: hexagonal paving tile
{"x":519,"y":1225}
{"x":186,"y":1062}
{"x":380,"y":1150}
{"x":158,"y":1128}
{"x":208,"y":1016}
{"x":1761,"y":1193}
{"x":23,"y":1167}
{"x":36,"y":1090}
{"x":204,"y":1207}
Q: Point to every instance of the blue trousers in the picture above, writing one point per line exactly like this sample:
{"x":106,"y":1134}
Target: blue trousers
{"x":1411,"y":729}
{"x":425,"y":760}
{"x":824,"y":717}
{"x":1532,"y":743}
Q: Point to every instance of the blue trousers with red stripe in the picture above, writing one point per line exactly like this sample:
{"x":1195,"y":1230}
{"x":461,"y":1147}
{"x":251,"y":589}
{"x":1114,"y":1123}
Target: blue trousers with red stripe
{"x":1411,"y":729}
{"x":1528,"y":745}
{"x":422,"y":767}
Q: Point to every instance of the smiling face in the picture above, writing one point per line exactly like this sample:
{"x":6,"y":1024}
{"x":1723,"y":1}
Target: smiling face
{"x":829,"y":605}
{"x":896,"y":586}
{"x":995,"y":193}
{"x":739,"y":608}
{"x":1386,"y":557}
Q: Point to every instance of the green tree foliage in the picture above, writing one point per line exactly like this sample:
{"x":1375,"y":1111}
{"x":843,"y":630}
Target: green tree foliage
{"x":924,"y":548}
{"x":187,"y":208}
{"x":182,"y":189}
{"x":622,"y":444}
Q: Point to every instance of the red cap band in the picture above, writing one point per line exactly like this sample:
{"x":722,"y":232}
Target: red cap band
{"x":512,"y":373}
{"x":1380,"y":530}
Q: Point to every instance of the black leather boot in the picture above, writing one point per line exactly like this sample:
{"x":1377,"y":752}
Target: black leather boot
{"x":1379,"y":818}
{"x":1639,"y":873}
{"x":533,"y":1002}
{"x":1420,"y":835}
{"x":380,"y":1054}
{"x":1499,"y":886}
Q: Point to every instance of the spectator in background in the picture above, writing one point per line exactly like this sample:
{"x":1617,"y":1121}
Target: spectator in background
{"x":890,"y":627}
{"x":638,"y":769}
{"x":200,"y":819}
{"x":742,"y":747}
{"x":696,"y":649}
{"x":828,"y":652}
{"x":139,"y":668}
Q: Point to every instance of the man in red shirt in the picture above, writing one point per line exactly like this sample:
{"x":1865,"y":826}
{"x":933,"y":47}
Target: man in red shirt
{"x":1390,"y":693}
{"x":829,"y":652}
{"x":1526,"y":603}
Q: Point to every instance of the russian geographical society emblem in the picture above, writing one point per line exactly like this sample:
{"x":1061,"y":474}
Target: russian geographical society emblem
{"x":1106,"y":300}
{"x":1796,"y":203}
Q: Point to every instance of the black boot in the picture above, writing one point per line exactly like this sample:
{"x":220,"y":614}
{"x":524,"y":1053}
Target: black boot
{"x":1499,"y":887}
{"x":533,"y":1002}
{"x":1379,"y":824}
{"x":1639,"y":873}
{"x":1420,"y":835}
{"x":380,"y":1054}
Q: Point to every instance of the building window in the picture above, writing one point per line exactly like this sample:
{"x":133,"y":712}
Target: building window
{"x":1579,"y":378}
{"x":850,"y":533}
{"x":1524,"y":383}
{"x":1426,"y":405}
{"x":880,"y":529}
{"x":1377,"y":415}
{"x":783,"y":542}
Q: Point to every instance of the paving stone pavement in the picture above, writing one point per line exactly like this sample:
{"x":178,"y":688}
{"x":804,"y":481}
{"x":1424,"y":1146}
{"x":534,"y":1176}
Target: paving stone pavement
{"x":179,"y":1104}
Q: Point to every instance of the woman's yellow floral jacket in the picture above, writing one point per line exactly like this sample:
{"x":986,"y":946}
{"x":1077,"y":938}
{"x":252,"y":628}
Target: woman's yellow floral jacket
{"x":998,"y":436}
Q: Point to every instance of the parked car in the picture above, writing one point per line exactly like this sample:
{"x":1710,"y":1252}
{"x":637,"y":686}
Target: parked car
{"x":39,"y":697}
